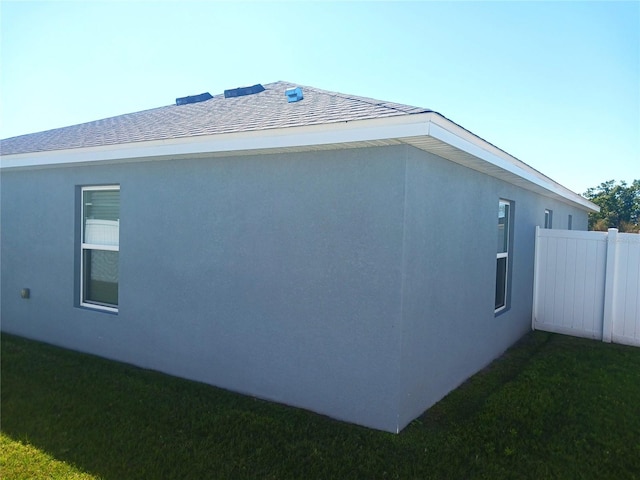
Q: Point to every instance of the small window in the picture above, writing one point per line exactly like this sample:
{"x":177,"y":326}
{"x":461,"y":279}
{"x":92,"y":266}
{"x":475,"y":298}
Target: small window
{"x":502,"y":258}
{"x":548,"y":219}
{"x":570,"y":222}
{"x":100,"y":247}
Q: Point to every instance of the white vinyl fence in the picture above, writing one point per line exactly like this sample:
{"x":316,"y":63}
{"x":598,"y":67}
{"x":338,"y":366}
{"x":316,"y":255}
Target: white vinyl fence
{"x":587,"y":284}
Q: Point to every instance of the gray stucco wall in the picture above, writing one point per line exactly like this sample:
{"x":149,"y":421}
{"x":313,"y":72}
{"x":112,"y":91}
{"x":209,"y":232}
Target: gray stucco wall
{"x":450,"y":330}
{"x":300,"y":278}
{"x":276,"y":276}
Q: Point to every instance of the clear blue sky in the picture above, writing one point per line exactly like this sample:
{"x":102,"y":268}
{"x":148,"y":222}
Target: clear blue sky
{"x":556,"y":84}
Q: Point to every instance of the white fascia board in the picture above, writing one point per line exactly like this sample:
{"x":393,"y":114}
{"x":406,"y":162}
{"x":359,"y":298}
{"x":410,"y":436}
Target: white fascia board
{"x":449,"y":132}
{"x":307,"y":136}
{"x":397,"y":127}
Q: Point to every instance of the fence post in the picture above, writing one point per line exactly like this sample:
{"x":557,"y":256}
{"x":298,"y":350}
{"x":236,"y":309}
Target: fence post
{"x":609,"y":285}
{"x":536,"y":266}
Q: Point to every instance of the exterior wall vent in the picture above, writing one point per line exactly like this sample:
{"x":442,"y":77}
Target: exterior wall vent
{"x":193,"y":98}
{"x":294,"y":94}
{"x":242,"y":91}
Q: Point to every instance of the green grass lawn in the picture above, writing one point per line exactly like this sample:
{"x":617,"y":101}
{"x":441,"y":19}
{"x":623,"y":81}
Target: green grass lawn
{"x":551,"y":407}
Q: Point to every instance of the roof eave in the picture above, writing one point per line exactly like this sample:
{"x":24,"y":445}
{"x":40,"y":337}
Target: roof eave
{"x":427,"y":131}
{"x":466,"y":148}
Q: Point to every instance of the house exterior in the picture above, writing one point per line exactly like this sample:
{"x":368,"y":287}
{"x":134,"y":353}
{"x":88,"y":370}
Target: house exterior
{"x":322,"y":250}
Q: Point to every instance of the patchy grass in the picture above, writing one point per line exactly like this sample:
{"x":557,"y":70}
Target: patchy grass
{"x":551,"y":407}
{"x":22,"y":461}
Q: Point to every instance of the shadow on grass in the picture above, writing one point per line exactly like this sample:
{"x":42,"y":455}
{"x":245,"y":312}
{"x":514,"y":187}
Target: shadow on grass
{"x":552,"y":406}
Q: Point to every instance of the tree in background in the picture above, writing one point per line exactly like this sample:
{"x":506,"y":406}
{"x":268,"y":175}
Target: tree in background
{"x":619,"y":206}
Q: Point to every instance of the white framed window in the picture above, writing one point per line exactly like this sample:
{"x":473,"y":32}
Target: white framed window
{"x":548,"y":218}
{"x":99,"y":246}
{"x":502,"y":257}
{"x":570,"y":222}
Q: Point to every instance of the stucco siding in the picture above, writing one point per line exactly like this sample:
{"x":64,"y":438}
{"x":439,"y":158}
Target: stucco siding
{"x":450,"y":330}
{"x":357,"y":283}
{"x":276,"y":276}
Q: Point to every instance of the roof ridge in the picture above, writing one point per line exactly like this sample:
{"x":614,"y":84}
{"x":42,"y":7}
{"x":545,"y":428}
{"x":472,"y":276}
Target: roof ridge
{"x":369,"y":100}
{"x":381,"y":103}
{"x":385,"y":104}
{"x":88,"y":122}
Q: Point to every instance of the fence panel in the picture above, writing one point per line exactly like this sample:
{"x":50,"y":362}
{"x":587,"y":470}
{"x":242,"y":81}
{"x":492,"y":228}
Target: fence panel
{"x":626,"y":295}
{"x":587,"y":284}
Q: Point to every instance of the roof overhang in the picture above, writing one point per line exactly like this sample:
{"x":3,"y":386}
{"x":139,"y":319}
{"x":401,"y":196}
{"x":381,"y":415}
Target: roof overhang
{"x":430,"y":132}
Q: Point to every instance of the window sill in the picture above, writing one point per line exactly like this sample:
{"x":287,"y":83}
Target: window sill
{"x":98,"y":308}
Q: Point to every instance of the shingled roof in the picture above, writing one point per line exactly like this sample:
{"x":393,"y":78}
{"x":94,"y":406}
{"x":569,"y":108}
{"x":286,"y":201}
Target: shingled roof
{"x":218,"y":115}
